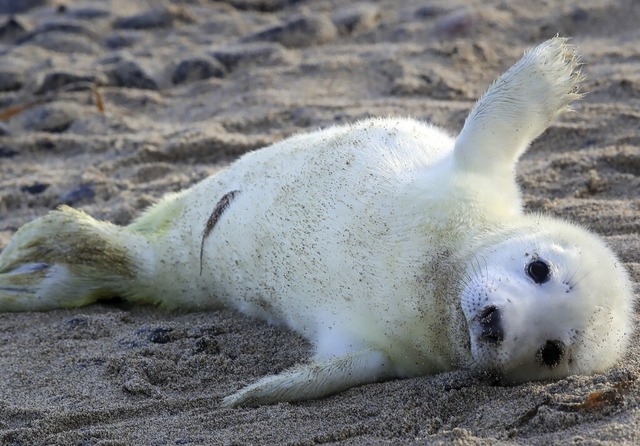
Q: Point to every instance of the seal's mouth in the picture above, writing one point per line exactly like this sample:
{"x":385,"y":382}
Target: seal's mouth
{"x":498,"y":356}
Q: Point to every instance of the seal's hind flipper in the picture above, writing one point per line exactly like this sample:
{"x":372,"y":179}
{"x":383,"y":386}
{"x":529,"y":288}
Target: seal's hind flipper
{"x":20,"y":284}
{"x":315,"y":380}
{"x":518,"y":107}
{"x":67,"y":259}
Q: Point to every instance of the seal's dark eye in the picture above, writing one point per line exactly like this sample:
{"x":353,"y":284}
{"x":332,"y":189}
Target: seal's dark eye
{"x":538,"y":270}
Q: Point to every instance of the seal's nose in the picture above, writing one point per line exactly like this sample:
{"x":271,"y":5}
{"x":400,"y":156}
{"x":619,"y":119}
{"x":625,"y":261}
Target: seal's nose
{"x":551,"y":353}
{"x":490,"y":320}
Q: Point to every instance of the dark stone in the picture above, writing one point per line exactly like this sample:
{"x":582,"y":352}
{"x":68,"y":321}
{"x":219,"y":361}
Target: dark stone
{"x":122,"y":39}
{"x":428,"y":12}
{"x":64,"y":27}
{"x":11,"y":30}
{"x":83,"y":192}
{"x":196,"y":69}
{"x":76,"y":322}
{"x":262,"y":5}
{"x":87,"y":13}
{"x":209,"y":331}
{"x":35,"y":188}
{"x":45,"y":145}
{"x":153,"y":18}
{"x":356,"y":18}
{"x":6,"y":152}
{"x":129,"y":75}
{"x":455,"y":24}
{"x":52,"y":118}
{"x":207,"y":345}
{"x":160,"y":335}
{"x":61,"y":42}
{"x":11,"y":80}
{"x":299,"y":32}
{"x":4,"y":131}
{"x":18,"y":6}
{"x":53,"y":81}
{"x":303,"y":116}
{"x":579,"y":14}
{"x":264,"y":54}
{"x":131,"y":344}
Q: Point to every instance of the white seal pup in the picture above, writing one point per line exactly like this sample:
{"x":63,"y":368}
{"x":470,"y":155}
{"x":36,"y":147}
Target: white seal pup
{"x":396,"y":250}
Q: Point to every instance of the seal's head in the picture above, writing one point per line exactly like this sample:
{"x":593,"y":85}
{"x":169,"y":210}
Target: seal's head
{"x":546,"y":301}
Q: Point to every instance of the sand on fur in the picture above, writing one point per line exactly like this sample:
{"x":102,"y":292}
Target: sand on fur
{"x":108,"y":105}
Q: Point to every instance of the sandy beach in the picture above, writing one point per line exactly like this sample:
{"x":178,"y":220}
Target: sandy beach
{"x":108,"y":105}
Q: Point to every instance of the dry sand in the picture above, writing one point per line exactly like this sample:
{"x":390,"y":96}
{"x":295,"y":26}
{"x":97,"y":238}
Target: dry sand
{"x":186,"y":87}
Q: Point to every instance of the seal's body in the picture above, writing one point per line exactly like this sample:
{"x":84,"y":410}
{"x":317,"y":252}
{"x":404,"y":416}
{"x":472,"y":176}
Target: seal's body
{"x":394,"y":248}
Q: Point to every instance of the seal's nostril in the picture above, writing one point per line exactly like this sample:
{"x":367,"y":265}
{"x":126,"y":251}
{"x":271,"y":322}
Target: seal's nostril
{"x":490,"y":320}
{"x":550,"y":354}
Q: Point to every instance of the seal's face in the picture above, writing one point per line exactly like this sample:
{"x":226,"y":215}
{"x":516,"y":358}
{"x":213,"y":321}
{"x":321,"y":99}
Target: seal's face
{"x":546,"y":304}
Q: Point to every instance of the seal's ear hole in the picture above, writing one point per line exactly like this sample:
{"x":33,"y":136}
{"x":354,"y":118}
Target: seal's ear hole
{"x":539,"y":271}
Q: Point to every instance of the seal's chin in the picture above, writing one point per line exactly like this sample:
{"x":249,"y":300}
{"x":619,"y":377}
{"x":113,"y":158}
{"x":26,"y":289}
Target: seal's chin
{"x":509,"y":357}
{"x":504,"y":374}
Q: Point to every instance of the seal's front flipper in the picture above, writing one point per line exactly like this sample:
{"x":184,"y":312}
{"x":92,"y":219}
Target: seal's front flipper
{"x":517,"y":108}
{"x":68,"y":259}
{"x":315,"y":380}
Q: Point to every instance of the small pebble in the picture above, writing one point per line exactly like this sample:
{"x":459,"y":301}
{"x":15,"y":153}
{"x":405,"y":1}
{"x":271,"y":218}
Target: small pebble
{"x":35,"y":188}
{"x":153,"y":18}
{"x":299,"y":32}
{"x":428,"y":12}
{"x":455,"y":24}
{"x":122,"y":39}
{"x":4,"y":131}
{"x":52,"y":118}
{"x":65,"y":27}
{"x":158,"y":335}
{"x":196,"y":69}
{"x":87,"y":13}
{"x":356,"y":18}
{"x":11,"y":80}
{"x":54,"y":80}
{"x":129,"y":74}
{"x":262,"y":5}
{"x":257,"y":53}
{"x":18,"y":6}
{"x":579,"y":14}
{"x":6,"y":152}
{"x":76,"y":322}
{"x":206,"y":345}
{"x":11,"y":30}
{"x":61,"y":42}
{"x":83,"y":192}
{"x":46,"y":145}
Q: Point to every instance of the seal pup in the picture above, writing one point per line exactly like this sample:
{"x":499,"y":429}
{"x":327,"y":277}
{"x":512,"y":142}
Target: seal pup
{"x":396,"y":250}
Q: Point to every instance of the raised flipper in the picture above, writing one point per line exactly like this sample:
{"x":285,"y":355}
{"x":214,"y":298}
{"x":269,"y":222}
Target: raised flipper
{"x":68,"y":259}
{"x":518,"y":107}
{"x":315,"y":380}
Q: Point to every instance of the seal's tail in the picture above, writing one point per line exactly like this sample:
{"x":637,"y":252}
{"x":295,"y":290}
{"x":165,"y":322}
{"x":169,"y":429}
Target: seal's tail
{"x":68,"y":259}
